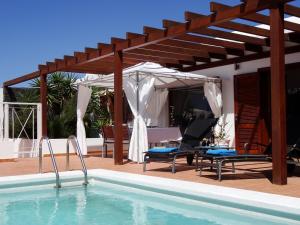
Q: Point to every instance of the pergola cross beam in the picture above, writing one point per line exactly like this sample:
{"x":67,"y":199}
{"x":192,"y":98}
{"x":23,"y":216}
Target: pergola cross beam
{"x":260,"y":18}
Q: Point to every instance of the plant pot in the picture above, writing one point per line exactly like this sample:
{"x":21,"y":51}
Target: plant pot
{"x":223,"y":142}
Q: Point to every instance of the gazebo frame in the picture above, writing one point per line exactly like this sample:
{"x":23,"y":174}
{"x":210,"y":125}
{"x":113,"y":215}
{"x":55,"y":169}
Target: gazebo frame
{"x":190,"y":46}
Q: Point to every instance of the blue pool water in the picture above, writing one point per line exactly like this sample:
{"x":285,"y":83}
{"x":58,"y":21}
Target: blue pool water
{"x":112,"y":204}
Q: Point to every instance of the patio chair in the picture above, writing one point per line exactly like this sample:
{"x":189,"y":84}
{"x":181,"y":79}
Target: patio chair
{"x":109,"y":138}
{"x":197,"y":130}
{"x":218,"y":159}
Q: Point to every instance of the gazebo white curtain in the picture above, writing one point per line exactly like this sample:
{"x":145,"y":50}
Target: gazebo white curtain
{"x":138,"y":91}
{"x":156,"y":105}
{"x":213,"y":95}
{"x":84,"y":95}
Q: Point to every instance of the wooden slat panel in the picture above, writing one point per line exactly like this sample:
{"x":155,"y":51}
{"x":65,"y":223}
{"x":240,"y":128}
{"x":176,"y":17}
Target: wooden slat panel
{"x":247,"y":110}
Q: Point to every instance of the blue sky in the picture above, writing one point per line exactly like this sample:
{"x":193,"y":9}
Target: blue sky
{"x":36,"y":31}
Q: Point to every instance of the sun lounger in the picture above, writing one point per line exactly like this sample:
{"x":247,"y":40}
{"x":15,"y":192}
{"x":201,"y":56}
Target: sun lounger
{"x":219,"y":158}
{"x":191,"y":138}
{"x":165,"y":155}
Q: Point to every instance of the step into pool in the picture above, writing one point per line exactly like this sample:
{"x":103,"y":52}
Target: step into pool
{"x":107,"y":203}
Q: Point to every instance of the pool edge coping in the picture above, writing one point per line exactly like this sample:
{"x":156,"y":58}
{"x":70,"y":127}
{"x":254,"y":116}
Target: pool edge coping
{"x":286,"y":204}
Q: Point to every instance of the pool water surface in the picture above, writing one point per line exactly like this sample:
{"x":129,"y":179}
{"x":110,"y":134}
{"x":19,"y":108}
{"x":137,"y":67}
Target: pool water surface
{"x":112,"y":204}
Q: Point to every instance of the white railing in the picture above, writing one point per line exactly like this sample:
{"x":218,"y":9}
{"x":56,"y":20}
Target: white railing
{"x":15,"y":119}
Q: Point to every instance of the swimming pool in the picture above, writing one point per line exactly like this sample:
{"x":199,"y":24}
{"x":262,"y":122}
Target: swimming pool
{"x":107,"y":201}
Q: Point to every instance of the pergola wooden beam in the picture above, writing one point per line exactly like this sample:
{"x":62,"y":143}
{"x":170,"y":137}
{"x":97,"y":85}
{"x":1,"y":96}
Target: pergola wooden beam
{"x":189,"y":16}
{"x":60,"y":64}
{"x":176,"y":50}
{"x":122,"y":43}
{"x":24,"y":78}
{"x":292,"y":10}
{"x":246,"y":58}
{"x":106,"y":49}
{"x":232,"y":36}
{"x":205,"y":49}
{"x":135,"y":39}
{"x":91,"y":53}
{"x":229,"y":14}
{"x":70,"y":60}
{"x":43,"y":69}
{"x":211,"y":20}
{"x":175,"y":66}
{"x":81,"y":56}
{"x":182,"y":62}
{"x":260,"y":18}
{"x":51,"y":66}
{"x":148,"y":52}
{"x":153,"y":35}
{"x":211,"y":41}
{"x":157,"y":59}
{"x":238,"y":27}
{"x":209,"y":44}
{"x":201,"y":59}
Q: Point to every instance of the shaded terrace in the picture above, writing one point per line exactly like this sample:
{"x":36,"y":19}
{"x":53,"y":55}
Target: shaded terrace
{"x":250,"y":176}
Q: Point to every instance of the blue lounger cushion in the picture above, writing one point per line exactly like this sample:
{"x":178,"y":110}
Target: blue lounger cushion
{"x":221,"y":152}
{"x":163,"y":150}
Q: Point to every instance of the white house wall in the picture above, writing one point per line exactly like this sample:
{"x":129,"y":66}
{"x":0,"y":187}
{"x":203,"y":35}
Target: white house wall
{"x":227,"y":73}
{"x":1,"y":114}
{"x":17,"y":148}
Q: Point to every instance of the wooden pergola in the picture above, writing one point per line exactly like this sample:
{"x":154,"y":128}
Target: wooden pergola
{"x":200,"y":42}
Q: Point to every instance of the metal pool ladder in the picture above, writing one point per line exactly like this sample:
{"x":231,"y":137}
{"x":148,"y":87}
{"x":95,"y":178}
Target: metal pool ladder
{"x":79,"y":153}
{"x":58,"y":183}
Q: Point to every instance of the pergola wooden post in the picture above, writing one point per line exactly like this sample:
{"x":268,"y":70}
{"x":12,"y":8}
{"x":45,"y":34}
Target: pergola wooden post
{"x":278,"y":93}
{"x":43,"y":100}
{"x":118,"y":107}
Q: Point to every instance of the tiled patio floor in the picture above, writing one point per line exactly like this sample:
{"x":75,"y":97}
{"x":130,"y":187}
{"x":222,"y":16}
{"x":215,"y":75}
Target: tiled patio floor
{"x":250,"y":176}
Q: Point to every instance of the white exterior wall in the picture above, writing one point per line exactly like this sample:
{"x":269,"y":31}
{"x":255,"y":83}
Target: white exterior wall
{"x":6,"y":149}
{"x":226,"y":73}
{"x":1,"y":114}
{"x":10,"y":148}
{"x":60,"y":145}
{"x":15,"y":148}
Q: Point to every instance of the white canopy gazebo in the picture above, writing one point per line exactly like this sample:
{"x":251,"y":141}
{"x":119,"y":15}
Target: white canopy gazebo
{"x":146,"y":88}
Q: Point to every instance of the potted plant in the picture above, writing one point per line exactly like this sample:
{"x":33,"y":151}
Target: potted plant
{"x":220,"y":135}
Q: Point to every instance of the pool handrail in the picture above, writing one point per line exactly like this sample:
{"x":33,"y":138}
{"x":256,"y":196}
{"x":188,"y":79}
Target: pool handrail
{"x":79,"y":153}
{"x":58,"y":183}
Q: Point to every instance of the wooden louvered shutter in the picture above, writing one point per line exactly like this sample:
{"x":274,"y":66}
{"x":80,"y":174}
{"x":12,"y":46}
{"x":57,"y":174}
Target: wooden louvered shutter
{"x":248,"y":124}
